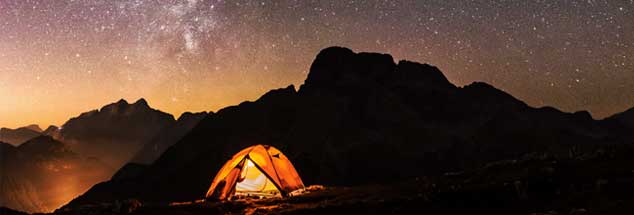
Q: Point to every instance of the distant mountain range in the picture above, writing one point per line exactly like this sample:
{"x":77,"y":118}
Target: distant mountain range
{"x":116,"y":132}
{"x":360,"y":118}
{"x":43,"y":173}
{"x":19,"y":135}
{"x":50,"y":167}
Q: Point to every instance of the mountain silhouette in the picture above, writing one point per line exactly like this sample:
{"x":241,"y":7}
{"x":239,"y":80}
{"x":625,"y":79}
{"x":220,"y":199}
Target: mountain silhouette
{"x":34,"y":127}
{"x":167,"y":137}
{"x":103,"y":139}
{"x":116,"y":132}
{"x":19,"y":135}
{"x":361,"y":118}
{"x":43,"y":146}
{"x":43,"y":173}
{"x":626,"y":118}
{"x":52,"y":131}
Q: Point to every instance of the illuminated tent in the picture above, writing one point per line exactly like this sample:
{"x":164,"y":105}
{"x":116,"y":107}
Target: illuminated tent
{"x":259,"y":170}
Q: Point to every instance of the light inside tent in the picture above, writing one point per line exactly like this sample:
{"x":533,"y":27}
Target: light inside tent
{"x":253,"y":182}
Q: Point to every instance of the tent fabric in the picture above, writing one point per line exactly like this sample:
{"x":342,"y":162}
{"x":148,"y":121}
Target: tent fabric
{"x":253,"y":180}
{"x":255,"y":168}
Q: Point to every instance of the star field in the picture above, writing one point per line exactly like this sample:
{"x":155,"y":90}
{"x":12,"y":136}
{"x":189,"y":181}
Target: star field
{"x":60,"y":58}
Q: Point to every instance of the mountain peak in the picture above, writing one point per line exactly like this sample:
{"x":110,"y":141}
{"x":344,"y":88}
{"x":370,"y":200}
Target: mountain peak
{"x":341,"y":67}
{"x":187,"y":115}
{"x":42,"y":144}
{"x":123,"y":106}
{"x":122,"y":101}
{"x":52,"y":131}
{"x":17,"y":136}
{"x":34,"y":127}
{"x":413,"y":73}
{"x":141,"y":102}
{"x":486,"y":93}
{"x":328,"y":65}
{"x":51,"y":128}
{"x":115,"y":132}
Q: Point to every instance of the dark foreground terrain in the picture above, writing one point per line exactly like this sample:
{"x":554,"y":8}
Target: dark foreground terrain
{"x":601,"y":183}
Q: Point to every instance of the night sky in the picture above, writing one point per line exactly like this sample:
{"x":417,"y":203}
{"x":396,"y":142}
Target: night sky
{"x":61,"y":58}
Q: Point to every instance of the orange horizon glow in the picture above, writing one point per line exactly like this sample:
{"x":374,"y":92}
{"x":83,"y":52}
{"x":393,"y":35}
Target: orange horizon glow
{"x":20,"y":115}
{"x":62,"y":58}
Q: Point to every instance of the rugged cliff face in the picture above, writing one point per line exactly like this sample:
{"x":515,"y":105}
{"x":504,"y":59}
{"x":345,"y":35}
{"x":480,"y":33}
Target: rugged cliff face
{"x":361,"y":118}
{"x":19,"y":135}
{"x":49,"y":168}
{"x":116,"y":132}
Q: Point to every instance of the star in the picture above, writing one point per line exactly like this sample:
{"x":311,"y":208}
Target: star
{"x":95,"y":52}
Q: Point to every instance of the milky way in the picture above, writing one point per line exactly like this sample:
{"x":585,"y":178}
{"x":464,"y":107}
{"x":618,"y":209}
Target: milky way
{"x":60,"y":58}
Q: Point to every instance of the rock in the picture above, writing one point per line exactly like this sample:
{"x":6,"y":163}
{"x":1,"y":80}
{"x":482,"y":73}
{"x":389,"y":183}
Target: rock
{"x":17,"y":136}
{"x":115,"y":133}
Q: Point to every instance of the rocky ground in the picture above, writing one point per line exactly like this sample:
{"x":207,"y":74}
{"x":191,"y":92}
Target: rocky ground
{"x":601,"y":184}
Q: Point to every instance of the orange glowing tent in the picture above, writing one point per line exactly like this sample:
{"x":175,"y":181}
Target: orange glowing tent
{"x":259,"y":170}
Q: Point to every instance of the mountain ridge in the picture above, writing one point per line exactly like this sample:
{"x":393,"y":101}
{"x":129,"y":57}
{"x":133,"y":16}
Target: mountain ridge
{"x":362,"y":113}
{"x":115,"y":131}
{"x":43,"y":173}
{"x":17,"y":136}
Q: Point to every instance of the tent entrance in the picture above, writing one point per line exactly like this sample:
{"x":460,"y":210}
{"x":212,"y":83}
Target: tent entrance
{"x":252,"y":182}
{"x":260,"y":171}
